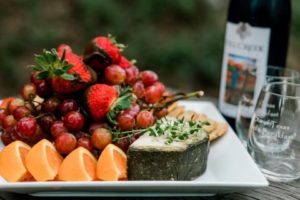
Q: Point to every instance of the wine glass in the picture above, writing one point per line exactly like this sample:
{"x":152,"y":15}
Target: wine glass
{"x":274,"y":134}
{"x":248,"y":97}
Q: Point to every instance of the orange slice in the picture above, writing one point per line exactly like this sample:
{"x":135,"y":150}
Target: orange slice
{"x":112,"y":164}
{"x":79,"y":165}
{"x":43,"y":161}
{"x":5,"y":102}
{"x":12,"y":162}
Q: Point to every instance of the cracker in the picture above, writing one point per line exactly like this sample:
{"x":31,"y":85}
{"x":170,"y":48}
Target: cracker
{"x":211,"y":126}
{"x":187,"y":115}
{"x":179,"y":110}
{"x":214,"y":129}
{"x":172,"y":107}
{"x":219,"y":131}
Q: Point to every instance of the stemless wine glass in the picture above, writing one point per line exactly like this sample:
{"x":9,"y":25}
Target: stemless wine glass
{"x":274,"y":134}
{"x":247,"y":98}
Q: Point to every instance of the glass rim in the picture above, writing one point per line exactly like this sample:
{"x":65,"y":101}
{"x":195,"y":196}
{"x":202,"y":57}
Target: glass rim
{"x":294,"y":73}
{"x":268,"y":85}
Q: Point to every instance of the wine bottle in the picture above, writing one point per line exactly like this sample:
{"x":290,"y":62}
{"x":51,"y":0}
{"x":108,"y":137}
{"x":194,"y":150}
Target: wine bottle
{"x":257,"y":35}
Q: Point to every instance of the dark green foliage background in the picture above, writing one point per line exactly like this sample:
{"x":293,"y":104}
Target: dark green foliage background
{"x":180,"y":39}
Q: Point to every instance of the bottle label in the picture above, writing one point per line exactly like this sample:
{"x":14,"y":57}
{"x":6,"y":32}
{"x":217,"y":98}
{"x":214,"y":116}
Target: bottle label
{"x":246,"y":47}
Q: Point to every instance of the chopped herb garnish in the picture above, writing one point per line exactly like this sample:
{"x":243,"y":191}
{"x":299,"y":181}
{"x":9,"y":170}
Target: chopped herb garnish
{"x":174,"y":130}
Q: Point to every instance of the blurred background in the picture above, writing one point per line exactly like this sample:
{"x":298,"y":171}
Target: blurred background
{"x":181,"y":40}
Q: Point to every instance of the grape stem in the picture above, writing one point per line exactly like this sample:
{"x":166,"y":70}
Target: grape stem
{"x":172,"y":99}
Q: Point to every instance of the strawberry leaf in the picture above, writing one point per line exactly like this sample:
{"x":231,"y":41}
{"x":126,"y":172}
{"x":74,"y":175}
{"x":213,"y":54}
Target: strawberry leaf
{"x":49,"y":64}
{"x":36,"y":67}
{"x":42,"y":75}
{"x":58,"y":72}
{"x":67,"y":66}
{"x":122,"y":103}
{"x":69,"y":77}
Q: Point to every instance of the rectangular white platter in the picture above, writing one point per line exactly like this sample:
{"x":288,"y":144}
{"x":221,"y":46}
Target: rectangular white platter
{"x":229,"y":169}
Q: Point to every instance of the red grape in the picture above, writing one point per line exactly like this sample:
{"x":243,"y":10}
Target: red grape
{"x":125,"y":122}
{"x":57,"y":128}
{"x":160,"y":86}
{"x":148,"y":77}
{"x":8,"y":122}
{"x":51,"y":105}
{"x":68,"y":105}
{"x":21,"y":112}
{"x":132,"y":75}
{"x":27,"y":126}
{"x":154,"y":93}
{"x":65,"y":143}
{"x":74,"y":121}
{"x":133,"y":111}
{"x":14,"y":134}
{"x":123,"y":144}
{"x":139,"y":89}
{"x":43,"y":89}
{"x":46,"y":123}
{"x":85,"y":142}
{"x":28,"y":91}
{"x":14,"y":104}
{"x":94,"y":125}
{"x":3,"y":114}
{"x":38,"y":135}
{"x":144,"y":119}
{"x":115,"y":74}
{"x":101,"y":137}
{"x":6,"y":138}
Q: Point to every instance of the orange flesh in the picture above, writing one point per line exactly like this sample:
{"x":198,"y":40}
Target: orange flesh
{"x":90,"y":166}
{"x":79,"y":165}
{"x":121,"y":163}
{"x":12,"y":160}
{"x":53,"y":158}
{"x":112,"y":165}
{"x":43,"y":161}
{"x":23,"y":154}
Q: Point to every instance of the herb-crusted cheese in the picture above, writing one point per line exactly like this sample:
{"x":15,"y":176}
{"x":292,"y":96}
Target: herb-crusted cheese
{"x":159,"y":143}
{"x":153,"y":158}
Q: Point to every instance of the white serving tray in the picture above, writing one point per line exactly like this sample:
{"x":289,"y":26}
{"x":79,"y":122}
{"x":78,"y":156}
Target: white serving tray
{"x":229,"y":168}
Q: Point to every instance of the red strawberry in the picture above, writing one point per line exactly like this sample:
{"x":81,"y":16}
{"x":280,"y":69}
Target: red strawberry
{"x":124,"y":63}
{"x":103,"y":101}
{"x":65,"y":71}
{"x":102,"y":52}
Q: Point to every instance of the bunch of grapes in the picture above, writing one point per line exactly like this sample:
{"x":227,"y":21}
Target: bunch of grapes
{"x":64,"y":121}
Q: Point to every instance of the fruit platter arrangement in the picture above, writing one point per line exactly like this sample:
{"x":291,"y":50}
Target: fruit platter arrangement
{"x":97,"y":117}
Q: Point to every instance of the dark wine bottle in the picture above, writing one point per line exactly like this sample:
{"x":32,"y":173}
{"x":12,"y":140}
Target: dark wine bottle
{"x":257,"y":35}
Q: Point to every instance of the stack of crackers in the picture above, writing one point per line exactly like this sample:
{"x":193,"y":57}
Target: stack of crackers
{"x":214,"y":129}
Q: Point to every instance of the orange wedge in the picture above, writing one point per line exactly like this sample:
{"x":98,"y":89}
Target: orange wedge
{"x":43,"y":161}
{"x":12,"y":162}
{"x":79,"y":165}
{"x":5,"y":102}
{"x":112,"y":164}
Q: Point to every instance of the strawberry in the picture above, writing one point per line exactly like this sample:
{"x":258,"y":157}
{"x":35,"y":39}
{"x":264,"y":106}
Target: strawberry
{"x":125,"y":63}
{"x":103,"y":101}
{"x":102,"y":52}
{"x":64,"y":70}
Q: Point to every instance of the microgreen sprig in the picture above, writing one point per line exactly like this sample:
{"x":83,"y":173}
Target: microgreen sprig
{"x":174,"y":130}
